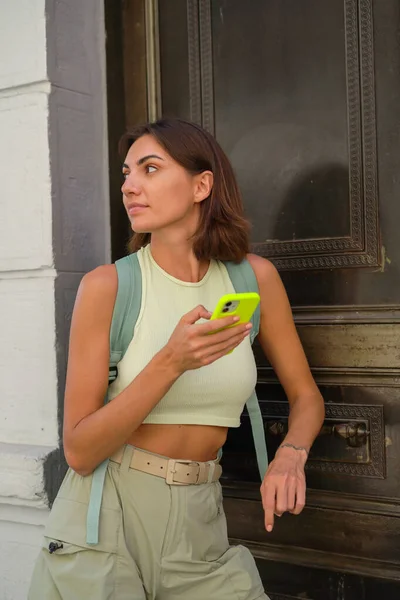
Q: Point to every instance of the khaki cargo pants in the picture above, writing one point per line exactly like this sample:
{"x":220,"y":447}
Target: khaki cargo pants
{"x":156,"y":542}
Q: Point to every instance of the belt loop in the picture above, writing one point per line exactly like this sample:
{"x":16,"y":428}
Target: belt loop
{"x":211,"y":470}
{"x":126,"y":458}
{"x":202,"y":472}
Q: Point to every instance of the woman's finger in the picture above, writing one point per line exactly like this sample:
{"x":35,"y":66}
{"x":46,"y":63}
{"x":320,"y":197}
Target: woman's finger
{"x":223,"y":336}
{"x":268,"y":497}
{"x":199,"y":312}
{"x":210,"y":327}
{"x":281,"y":496}
{"x":291,"y":494}
{"x":300,"y":498}
{"x":223,"y":349}
{"x":228,"y":336}
{"x":225,"y":345}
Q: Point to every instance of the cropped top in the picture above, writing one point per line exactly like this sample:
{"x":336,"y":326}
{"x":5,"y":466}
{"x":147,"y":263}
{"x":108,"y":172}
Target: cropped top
{"x":211,"y":395}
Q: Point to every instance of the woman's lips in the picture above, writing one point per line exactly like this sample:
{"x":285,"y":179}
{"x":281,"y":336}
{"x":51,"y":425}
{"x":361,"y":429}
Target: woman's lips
{"x":134,"y":209}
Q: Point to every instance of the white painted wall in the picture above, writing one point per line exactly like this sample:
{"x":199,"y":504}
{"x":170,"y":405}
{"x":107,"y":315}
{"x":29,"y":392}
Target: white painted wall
{"x":28,"y":415}
{"x":45,"y":46}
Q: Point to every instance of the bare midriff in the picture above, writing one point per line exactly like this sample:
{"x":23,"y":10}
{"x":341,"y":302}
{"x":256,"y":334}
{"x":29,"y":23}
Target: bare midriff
{"x":186,"y":442}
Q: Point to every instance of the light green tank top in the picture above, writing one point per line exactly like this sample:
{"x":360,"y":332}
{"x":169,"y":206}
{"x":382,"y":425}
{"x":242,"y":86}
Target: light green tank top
{"x":212,"y":395}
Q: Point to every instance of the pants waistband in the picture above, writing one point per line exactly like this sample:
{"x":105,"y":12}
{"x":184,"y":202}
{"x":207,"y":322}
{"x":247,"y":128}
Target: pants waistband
{"x":175,"y":472}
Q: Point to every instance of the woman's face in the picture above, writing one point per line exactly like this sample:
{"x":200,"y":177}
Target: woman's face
{"x":158,"y":192}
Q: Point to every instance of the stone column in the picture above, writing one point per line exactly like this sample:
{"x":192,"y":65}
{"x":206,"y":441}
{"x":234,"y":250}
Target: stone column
{"x":54,"y":226}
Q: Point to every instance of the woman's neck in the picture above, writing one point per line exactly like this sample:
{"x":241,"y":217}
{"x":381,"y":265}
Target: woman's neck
{"x":178,"y":259}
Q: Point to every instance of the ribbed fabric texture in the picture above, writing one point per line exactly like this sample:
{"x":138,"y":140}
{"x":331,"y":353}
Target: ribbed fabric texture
{"x":211,"y":395}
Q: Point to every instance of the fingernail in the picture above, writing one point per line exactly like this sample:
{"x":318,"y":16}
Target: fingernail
{"x":269,"y":528}
{"x":249,"y":326}
{"x":235,"y":319}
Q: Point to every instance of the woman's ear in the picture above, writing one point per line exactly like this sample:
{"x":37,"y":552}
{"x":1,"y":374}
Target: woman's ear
{"x":203,"y":185}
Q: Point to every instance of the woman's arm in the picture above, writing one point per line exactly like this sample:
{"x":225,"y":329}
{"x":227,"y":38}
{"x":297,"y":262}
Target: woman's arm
{"x":94,"y":431}
{"x":284,"y":485}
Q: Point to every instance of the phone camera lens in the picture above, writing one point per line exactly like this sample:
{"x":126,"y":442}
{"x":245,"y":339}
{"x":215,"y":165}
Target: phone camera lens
{"x":228,"y":304}
{"x":225,"y":310}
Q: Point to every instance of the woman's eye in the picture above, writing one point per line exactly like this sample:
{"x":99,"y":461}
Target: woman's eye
{"x":125,"y":175}
{"x":150,"y":169}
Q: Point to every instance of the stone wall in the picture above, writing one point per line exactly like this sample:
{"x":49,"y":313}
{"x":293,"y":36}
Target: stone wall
{"x":54,"y":226}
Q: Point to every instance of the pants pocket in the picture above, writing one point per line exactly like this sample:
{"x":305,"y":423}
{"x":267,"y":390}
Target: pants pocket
{"x":242,"y":576}
{"x":67,"y":567}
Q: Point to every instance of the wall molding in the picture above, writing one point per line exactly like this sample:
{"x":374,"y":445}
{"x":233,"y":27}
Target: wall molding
{"x":361,"y":247}
{"x":153,"y":70}
{"x":201,"y":76}
{"x":342,"y":376}
{"x":331,"y":315}
{"x":355,"y":503}
{"x":195,"y":97}
{"x":317,"y":559}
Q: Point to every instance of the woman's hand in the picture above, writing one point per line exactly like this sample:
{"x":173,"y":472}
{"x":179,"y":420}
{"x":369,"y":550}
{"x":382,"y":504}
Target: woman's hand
{"x":191,"y":346}
{"x":284,"y":485}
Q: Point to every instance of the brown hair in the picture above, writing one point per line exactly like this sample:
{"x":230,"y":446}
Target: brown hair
{"x":223,"y":231}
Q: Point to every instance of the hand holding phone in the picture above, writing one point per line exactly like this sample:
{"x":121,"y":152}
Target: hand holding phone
{"x":236,"y":305}
{"x":191,"y":344}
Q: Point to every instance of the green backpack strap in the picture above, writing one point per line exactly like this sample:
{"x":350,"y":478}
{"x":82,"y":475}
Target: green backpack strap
{"x":257,"y":427}
{"x":244,"y":279}
{"x":126,"y":310}
{"x":125,"y":314}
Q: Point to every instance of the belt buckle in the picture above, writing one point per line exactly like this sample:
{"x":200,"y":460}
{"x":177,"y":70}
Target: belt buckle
{"x":172,"y":462}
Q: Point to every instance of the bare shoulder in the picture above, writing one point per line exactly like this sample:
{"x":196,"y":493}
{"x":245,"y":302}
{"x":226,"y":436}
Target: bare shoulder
{"x":102,"y":280}
{"x":97,"y":292}
{"x":264,"y":270}
{"x":273,"y":295}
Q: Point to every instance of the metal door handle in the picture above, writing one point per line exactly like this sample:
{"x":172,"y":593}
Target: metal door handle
{"x":355,"y":433}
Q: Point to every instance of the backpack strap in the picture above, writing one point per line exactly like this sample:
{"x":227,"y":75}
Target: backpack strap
{"x":126,"y":310}
{"x":96,"y":496}
{"x":125,"y":314}
{"x":244,"y":279}
{"x":257,"y":427}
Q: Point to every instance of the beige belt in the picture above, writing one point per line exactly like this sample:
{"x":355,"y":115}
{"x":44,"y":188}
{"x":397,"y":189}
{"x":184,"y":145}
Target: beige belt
{"x":175,"y":472}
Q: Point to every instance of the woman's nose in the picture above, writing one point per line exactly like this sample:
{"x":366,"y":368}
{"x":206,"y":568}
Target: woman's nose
{"x":130,"y":186}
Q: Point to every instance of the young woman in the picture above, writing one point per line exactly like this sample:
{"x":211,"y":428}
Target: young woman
{"x":177,"y":391}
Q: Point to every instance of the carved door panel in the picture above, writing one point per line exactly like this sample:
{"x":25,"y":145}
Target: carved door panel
{"x":305,"y":99}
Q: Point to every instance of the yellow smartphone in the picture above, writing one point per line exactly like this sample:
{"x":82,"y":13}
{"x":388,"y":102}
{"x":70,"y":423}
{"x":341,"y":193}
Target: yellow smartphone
{"x":236,"y":305}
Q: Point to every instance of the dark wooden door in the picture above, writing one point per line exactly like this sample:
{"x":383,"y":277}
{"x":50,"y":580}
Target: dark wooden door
{"x":304,"y":96}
